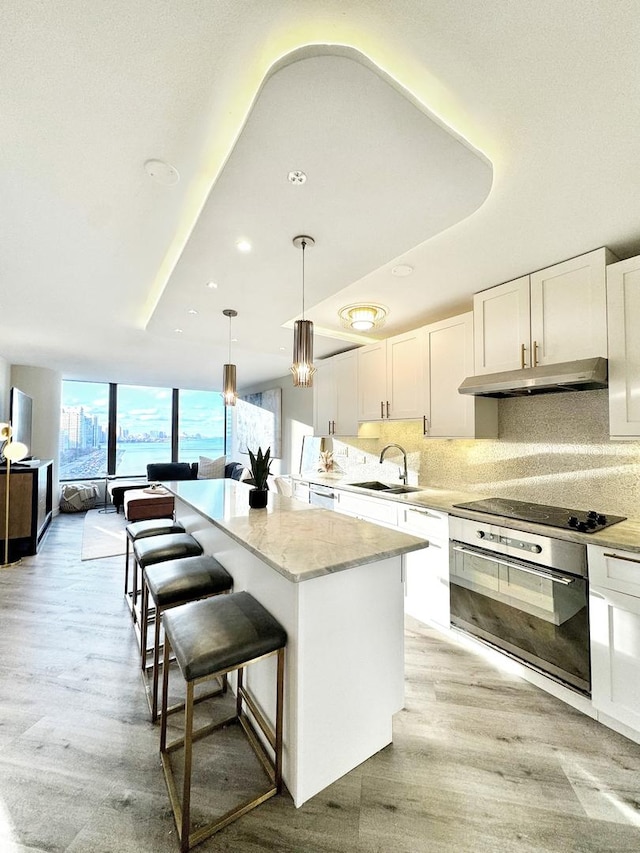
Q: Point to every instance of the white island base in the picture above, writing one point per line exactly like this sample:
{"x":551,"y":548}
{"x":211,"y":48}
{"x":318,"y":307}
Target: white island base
{"x":344,"y":658}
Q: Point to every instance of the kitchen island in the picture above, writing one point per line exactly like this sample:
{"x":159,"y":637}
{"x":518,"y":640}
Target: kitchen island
{"x":335,"y":584}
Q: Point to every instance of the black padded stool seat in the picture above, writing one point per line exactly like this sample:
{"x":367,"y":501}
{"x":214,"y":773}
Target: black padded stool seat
{"x":190,"y":578}
{"x":140,"y":530}
{"x":211,"y":638}
{"x":169,"y":584}
{"x":167,"y":546}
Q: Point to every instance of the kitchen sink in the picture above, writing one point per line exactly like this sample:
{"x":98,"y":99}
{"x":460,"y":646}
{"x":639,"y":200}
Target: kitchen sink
{"x":377,"y":486}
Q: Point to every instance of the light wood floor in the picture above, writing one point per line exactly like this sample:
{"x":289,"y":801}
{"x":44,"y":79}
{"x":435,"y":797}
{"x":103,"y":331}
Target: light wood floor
{"x":481,"y":761}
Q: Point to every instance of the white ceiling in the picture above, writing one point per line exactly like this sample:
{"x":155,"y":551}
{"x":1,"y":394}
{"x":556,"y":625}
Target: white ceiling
{"x":533,"y":158}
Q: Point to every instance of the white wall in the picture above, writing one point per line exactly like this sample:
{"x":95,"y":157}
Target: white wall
{"x":5,"y":385}
{"x":297,"y":420}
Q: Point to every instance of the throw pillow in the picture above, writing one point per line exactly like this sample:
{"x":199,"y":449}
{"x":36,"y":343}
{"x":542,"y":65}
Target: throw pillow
{"x":211,"y":469}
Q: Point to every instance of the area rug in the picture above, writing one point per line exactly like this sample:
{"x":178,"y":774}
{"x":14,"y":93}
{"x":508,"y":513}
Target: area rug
{"x":103,"y":534}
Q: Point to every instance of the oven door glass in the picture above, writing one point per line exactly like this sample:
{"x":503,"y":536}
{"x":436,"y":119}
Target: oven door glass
{"x":536,"y":614}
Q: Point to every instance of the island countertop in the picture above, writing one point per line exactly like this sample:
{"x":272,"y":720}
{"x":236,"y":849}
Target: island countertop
{"x":297,"y":540}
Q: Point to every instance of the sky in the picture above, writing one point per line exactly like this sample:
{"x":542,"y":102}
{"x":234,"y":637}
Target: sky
{"x":146,"y":409}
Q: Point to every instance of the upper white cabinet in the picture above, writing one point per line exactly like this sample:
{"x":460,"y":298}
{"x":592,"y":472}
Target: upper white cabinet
{"x":554,"y":315}
{"x":623,"y":319}
{"x":448,"y":351}
{"x":335,"y":409}
{"x":391,"y":378}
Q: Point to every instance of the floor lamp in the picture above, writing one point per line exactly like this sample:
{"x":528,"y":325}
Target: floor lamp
{"x":13,"y":451}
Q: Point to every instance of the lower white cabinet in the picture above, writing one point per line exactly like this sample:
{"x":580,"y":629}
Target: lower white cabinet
{"x":427,"y":571}
{"x":366,"y":508}
{"x":614,"y":613}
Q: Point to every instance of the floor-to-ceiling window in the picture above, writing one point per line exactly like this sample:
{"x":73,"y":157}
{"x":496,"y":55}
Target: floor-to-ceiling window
{"x":83,"y":430}
{"x":143,"y":428}
{"x":201,"y":425}
{"x":120,"y":429}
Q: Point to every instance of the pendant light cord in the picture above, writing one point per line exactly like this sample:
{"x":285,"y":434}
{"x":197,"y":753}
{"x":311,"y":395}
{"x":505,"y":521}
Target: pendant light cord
{"x":304,"y":245}
{"x":229,"y":338}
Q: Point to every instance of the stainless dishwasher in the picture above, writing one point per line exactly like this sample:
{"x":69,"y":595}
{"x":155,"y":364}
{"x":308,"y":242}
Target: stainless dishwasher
{"x":322,"y":496}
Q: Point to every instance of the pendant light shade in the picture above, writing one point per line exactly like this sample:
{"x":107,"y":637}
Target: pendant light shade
{"x":302,"y":367}
{"x":229,"y":392}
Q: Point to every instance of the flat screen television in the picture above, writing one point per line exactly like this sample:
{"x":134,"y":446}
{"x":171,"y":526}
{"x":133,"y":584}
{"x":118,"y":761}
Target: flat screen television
{"x":20,"y":413}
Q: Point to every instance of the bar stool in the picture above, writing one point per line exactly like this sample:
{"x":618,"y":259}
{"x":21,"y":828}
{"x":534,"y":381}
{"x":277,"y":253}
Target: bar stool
{"x":210,"y":639}
{"x":140,"y":530}
{"x":170,"y":584}
{"x":156,"y":549}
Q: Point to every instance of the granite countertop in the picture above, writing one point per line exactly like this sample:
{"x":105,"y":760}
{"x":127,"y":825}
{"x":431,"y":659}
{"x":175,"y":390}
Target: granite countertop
{"x":296,"y":539}
{"x":624,"y":535}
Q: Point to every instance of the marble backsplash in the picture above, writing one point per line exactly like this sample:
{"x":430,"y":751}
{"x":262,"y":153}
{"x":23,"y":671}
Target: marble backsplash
{"x":552,"y":449}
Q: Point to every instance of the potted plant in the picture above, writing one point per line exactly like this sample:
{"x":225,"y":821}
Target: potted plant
{"x":260,"y":469}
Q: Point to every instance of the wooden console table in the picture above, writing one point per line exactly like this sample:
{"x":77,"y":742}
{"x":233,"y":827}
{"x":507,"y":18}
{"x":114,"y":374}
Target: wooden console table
{"x":30,"y":506}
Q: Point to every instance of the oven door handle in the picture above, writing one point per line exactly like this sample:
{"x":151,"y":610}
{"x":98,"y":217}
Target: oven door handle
{"x":565,"y":581}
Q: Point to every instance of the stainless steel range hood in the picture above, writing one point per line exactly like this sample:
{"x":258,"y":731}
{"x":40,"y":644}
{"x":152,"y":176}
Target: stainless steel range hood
{"x":586,"y":374}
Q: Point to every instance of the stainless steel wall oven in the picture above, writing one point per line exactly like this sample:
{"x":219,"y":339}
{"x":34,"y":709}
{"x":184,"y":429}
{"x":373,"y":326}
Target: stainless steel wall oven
{"x":525,"y":594}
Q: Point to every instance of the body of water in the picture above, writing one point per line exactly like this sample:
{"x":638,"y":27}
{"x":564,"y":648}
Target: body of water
{"x":132,"y":458}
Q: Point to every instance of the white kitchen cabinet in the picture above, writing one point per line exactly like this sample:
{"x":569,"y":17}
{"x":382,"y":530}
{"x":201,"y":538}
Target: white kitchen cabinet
{"x":369,"y":509}
{"x":448,"y":353}
{"x":301,"y":490}
{"x":554,"y":315}
{"x":614,"y":616}
{"x":335,"y":410}
{"x":391,"y":378}
{"x":427,"y":571}
{"x":623,"y":321}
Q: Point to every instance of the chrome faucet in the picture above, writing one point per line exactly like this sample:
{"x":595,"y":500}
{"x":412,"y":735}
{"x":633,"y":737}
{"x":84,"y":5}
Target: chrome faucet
{"x":403,"y":476}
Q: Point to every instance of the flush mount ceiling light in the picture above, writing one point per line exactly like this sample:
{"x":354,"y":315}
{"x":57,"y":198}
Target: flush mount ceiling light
{"x":229,"y":393}
{"x":302,"y":367}
{"x":363,"y":317}
{"x":212,"y":285}
{"x":243,"y":245}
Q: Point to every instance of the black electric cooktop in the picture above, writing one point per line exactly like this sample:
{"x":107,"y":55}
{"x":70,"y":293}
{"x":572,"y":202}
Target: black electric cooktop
{"x":584,"y":521}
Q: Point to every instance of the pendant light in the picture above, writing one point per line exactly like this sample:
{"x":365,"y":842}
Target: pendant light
{"x":229,"y":393}
{"x":302,"y":367}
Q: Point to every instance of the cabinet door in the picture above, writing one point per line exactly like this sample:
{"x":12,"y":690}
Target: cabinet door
{"x":372,"y":371}
{"x":623,"y":313}
{"x":405,"y":376}
{"x":324,"y":398}
{"x":427,"y":571}
{"x":345,"y":377}
{"x":615,"y":655}
{"x":379,"y":511}
{"x":568,"y":310}
{"x":502,"y":327}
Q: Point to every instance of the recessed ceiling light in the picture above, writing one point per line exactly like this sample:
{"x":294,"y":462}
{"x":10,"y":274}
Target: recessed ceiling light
{"x":212,"y":285}
{"x":282,"y":349}
{"x":402,"y":270}
{"x":296,"y":177}
{"x":178,"y":331}
{"x":192,"y":311}
{"x":243,"y":245}
{"x":162,"y":173}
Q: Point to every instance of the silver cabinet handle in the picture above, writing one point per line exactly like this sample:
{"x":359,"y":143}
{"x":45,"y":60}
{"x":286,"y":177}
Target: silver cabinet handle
{"x":535,"y":354}
{"x":523,"y":349}
{"x":381,"y":409}
{"x":553,"y":578}
{"x":422,"y":511}
{"x":425,"y":425}
{"x":626,"y":559}
{"x":388,"y":409}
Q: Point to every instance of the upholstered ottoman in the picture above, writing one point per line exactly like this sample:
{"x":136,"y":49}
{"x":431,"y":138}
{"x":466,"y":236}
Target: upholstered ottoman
{"x":140,"y":504}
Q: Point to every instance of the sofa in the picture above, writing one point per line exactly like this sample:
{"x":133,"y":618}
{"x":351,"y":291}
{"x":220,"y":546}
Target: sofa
{"x":160,"y":472}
